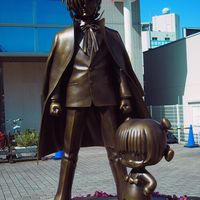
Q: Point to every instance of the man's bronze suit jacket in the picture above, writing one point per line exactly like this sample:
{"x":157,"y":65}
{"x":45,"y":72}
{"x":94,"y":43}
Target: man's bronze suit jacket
{"x":93,"y":80}
{"x":62,"y":52}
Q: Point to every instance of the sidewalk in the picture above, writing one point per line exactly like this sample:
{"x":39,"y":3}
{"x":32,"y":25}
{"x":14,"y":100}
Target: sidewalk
{"x":27,"y":180}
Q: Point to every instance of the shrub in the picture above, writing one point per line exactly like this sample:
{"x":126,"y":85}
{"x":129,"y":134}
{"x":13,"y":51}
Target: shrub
{"x":27,"y":138}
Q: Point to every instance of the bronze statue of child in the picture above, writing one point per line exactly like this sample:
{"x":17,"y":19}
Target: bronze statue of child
{"x":140,"y":143}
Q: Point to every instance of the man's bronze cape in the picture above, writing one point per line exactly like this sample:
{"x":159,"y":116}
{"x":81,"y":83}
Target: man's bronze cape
{"x":52,"y":128}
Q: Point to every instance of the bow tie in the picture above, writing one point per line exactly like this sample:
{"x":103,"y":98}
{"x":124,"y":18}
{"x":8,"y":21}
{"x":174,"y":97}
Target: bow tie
{"x":90,"y":44}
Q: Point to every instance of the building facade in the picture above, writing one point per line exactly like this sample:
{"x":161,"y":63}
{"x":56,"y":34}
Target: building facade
{"x":29,"y":26}
{"x":164,"y":29}
{"x":171,"y":79}
{"x":168,"y":22}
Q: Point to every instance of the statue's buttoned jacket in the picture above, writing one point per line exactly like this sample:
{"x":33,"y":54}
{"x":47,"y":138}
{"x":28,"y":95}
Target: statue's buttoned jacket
{"x":92,"y":80}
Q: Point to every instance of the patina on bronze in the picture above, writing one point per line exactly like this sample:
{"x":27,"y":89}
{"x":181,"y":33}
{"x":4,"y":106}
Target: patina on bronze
{"x":140,"y":143}
{"x":89,"y":87}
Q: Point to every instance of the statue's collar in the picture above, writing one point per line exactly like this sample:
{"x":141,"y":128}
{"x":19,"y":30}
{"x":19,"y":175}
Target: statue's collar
{"x":98,"y":28}
{"x":100,"y":23}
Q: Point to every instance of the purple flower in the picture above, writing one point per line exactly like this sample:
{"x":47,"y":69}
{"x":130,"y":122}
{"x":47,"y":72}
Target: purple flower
{"x":155,"y":194}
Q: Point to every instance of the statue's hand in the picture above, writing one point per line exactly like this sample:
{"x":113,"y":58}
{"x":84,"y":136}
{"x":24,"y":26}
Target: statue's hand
{"x":55,"y":108}
{"x":125,"y":106}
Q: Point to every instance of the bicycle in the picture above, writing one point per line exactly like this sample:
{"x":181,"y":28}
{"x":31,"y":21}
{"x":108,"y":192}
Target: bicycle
{"x":7,"y":141}
{"x":3,"y":141}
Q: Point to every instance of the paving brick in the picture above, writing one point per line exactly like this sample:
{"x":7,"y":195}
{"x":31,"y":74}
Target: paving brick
{"x":29,"y":181}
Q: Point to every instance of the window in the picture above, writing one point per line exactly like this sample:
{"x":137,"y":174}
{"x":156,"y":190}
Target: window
{"x":31,"y":26}
{"x":154,"y":38}
{"x":167,"y":38}
{"x":146,"y":27}
{"x":119,"y":6}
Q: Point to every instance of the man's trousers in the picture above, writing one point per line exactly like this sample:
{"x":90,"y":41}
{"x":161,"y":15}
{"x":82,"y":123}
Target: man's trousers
{"x":76,"y":122}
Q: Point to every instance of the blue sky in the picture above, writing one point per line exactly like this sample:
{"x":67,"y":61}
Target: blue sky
{"x":188,"y":10}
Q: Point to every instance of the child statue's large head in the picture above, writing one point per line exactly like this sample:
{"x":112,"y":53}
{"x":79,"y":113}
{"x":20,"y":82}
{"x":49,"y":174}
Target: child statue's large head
{"x":142,"y":142}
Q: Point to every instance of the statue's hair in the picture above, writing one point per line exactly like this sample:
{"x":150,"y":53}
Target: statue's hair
{"x":76,"y":8}
{"x":143,"y":137}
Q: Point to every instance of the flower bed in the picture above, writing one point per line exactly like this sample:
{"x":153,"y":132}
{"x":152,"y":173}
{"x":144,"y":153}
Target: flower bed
{"x":103,"y":195}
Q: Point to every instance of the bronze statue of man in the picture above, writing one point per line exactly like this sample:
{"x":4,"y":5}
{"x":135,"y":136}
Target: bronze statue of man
{"x":89,"y":85}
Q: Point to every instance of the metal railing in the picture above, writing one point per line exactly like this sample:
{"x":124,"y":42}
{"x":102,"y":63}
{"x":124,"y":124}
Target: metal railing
{"x":181,"y":117}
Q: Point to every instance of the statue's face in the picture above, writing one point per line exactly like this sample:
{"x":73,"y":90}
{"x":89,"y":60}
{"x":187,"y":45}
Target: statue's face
{"x":90,"y":8}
